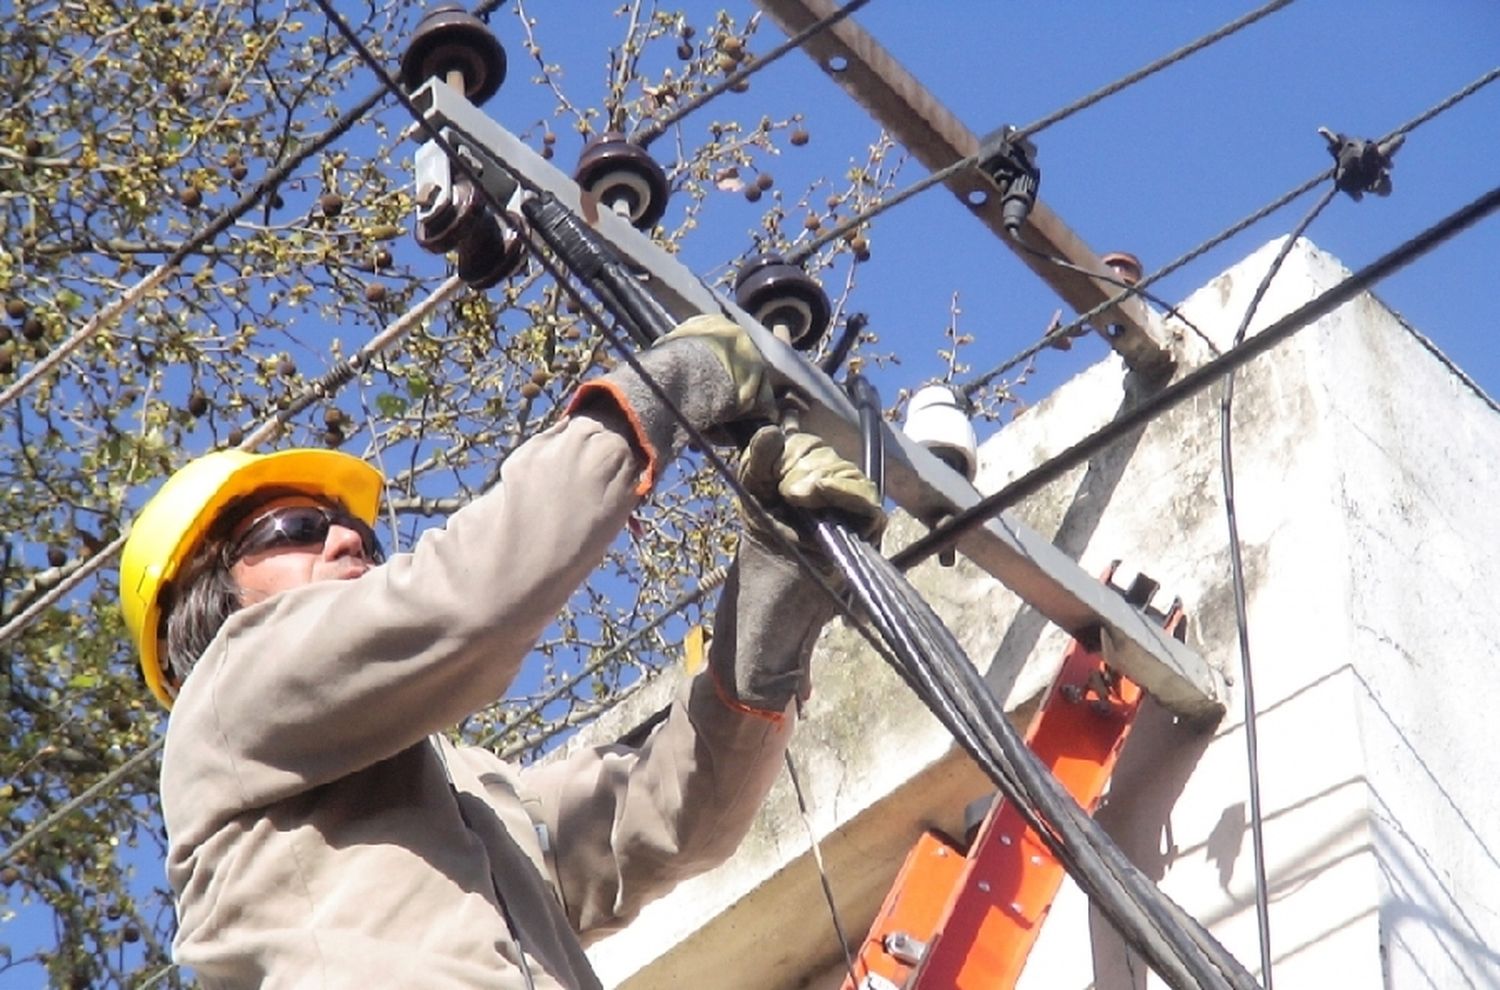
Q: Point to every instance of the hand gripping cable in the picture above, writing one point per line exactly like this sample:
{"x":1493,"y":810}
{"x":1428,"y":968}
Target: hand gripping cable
{"x":927,"y":656}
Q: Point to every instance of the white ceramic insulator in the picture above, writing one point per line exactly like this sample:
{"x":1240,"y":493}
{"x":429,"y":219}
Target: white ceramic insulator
{"x":626,"y":193}
{"x":936,"y":419}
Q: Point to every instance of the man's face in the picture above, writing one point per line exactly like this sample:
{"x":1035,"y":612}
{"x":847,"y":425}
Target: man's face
{"x":295,"y":540}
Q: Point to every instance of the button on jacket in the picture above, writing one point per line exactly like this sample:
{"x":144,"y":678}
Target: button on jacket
{"x":322,"y":834}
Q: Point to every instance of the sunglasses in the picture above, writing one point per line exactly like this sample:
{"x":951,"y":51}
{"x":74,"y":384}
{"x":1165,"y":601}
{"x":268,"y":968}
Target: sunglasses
{"x":301,"y":526}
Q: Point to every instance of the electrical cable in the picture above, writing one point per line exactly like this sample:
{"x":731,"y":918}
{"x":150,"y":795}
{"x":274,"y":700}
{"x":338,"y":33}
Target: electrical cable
{"x":1234,"y":229}
{"x":915,"y":643}
{"x":942,"y":536}
{"x":710,"y":582}
{"x":931,"y":661}
{"x":1077,"y":325}
{"x":967,"y":162}
{"x":15,"y":625}
{"x":46,"y":824}
{"x":1157,"y":929}
{"x":220,"y":223}
{"x":656,"y":127}
{"x":1237,"y":571}
{"x":817,"y":854}
{"x":324,"y":386}
{"x":1491,"y":207}
{"x":648,"y":317}
{"x":627,"y":324}
{"x":1187,"y":958}
{"x":1165,"y":61}
{"x":1131,"y":289}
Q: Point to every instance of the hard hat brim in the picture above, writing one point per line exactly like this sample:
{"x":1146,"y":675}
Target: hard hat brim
{"x":322,"y":473}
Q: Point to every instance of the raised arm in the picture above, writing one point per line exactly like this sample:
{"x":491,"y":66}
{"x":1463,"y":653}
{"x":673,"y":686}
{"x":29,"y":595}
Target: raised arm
{"x":323,"y":680}
{"x":627,"y":824}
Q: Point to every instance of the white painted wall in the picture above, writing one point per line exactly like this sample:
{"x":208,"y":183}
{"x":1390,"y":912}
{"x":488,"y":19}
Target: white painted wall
{"x":1365,"y":474}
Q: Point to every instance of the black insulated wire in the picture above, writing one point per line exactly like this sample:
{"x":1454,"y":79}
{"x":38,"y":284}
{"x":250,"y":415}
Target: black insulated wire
{"x":1234,"y":229}
{"x":20,"y":621}
{"x":220,"y":223}
{"x":942,"y":536}
{"x":596,"y":266}
{"x":1151,"y":69}
{"x":655,"y":128}
{"x":801,"y":254}
{"x":1237,"y":577}
{"x":933,"y":642}
{"x":1173,"y":942}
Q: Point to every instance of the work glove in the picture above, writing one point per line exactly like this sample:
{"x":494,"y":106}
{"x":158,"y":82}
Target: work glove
{"x":740,"y":358}
{"x":799,"y":473}
{"x":772,"y":609}
{"x":707,"y":368}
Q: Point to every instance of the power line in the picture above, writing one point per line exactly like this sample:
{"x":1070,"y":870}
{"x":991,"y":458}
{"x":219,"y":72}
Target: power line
{"x":627,"y":354}
{"x":1237,"y":574}
{"x":970,"y":161}
{"x":918,"y":646}
{"x":1076,"y":325}
{"x":2,"y":638}
{"x":323,"y":387}
{"x":48,"y":823}
{"x":943,"y":535}
{"x":343,"y":373}
{"x":1149,"y":70}
{"x":712,"y":580}
{"x":654,"y":129}
{"x":117,"y":307}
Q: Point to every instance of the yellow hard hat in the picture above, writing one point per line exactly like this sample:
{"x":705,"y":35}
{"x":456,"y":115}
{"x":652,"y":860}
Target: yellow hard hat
{"x":177,"y":518}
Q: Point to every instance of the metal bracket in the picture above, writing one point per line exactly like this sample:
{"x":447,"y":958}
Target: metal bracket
{"x":1010,"y":163}
{"x":911,"y":114}
{"x":1362,"y":166}
{"x":916,"y":480}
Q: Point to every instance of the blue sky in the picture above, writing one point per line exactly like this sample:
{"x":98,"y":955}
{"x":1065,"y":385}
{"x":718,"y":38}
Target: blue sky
{"x":1154,"y":170}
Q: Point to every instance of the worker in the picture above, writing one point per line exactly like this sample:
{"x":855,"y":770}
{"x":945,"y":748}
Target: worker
{"x":322,"y":831}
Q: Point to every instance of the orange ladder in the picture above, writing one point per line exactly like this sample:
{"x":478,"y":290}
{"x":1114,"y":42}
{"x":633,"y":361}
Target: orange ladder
{"x":966,"y":920}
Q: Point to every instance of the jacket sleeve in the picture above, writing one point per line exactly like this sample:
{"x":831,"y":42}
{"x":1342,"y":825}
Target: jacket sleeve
{"x":628,"y":824}
{"x":320,"y":681}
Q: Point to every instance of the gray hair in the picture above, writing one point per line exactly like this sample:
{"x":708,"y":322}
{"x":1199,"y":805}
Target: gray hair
{"x":206,"y":596}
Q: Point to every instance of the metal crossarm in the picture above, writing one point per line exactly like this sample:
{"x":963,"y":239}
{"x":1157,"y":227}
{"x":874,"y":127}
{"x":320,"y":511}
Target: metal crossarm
{"x":936,"y":138}
{"x":1015,"y":555}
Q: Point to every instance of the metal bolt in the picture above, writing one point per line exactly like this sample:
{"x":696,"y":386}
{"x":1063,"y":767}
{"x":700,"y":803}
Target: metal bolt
{"x":984,"y":886}
{"x":1124,"y":264}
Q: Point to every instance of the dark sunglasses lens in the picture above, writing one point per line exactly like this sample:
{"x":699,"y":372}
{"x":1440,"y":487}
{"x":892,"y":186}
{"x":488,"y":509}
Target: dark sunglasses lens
{"x":303,"y":525}
{"x":299,"y":525}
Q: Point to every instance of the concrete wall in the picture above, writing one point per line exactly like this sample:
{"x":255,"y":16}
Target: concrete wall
{"x":1362,"y":465}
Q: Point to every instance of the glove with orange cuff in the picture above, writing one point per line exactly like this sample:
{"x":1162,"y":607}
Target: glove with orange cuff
{"x":707,"y":368}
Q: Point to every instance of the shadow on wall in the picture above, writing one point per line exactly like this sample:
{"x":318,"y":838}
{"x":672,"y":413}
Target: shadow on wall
{"x":1421,"y":917}
{"x":1158,"y":760}
{"x":1430,"y":932}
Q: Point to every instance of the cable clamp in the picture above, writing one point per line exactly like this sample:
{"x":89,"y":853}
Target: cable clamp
{"x":1361,"y":166}
{"x":1009,"y":161}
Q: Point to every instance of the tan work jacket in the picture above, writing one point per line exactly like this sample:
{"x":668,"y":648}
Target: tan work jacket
{"x":321,"y":836}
